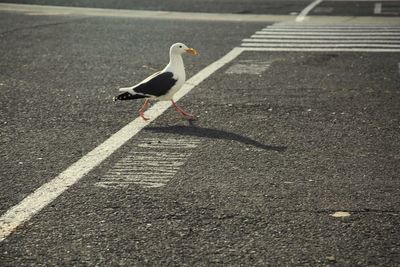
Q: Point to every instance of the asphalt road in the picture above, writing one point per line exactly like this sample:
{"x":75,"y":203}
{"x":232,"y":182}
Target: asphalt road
{"x":283,"y":140}
{"x":282,"y":7}
{"x":219,"y":6}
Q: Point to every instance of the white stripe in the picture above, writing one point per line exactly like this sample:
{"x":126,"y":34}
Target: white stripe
{"x":320,"y":41}
{"x":321,"y":45}
{"x":124,"y":176}
{"x":142,"y":158}
{"x":49,"y":191}
{"x":173,"y":163}
{"x":305,"y":11}
{"x":161,"y":154}
{"x":319,"y":26}
{"x":298,"y":49}
{"x":361,"y":0}
{"x":325,"y":37}
{"x":122,"y":184}
{"x":330,"y":30}
{"x":168,"y":145}
{"x":378,"y":8}
{"x":329,"y":33}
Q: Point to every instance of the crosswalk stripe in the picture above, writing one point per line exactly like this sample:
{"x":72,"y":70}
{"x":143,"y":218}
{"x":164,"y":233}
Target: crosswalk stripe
{"x":263,"y":40}
{"x":321,"y":45}
{"x":329,"y":33}
{"x":341,"y":30}
{"x":322,"y":49}
{"x":325,"y":37}
{"x":309,"y":38}
{"x":333,"y":27}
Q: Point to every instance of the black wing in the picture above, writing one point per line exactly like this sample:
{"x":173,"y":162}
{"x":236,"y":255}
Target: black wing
{"x":157,"y":86}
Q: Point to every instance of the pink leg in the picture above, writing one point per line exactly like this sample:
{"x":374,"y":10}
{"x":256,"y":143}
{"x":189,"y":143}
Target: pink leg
{"x":143,"y":109}
{"x":181,"y":111}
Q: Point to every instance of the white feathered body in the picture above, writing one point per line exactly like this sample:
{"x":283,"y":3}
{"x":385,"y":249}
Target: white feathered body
{"x":174,"y":66}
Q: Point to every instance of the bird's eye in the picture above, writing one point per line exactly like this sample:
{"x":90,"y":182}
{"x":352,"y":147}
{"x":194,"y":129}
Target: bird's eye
{"x":180,"y":46}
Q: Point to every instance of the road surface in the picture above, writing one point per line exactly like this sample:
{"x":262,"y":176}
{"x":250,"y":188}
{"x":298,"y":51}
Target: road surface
{"x":293,"y":160}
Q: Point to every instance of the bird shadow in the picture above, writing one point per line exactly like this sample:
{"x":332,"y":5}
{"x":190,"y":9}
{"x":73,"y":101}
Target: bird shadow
{"x":201,"y":132}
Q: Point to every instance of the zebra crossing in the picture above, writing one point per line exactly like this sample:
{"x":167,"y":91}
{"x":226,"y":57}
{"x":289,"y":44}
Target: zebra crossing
{"x":310,"y":38}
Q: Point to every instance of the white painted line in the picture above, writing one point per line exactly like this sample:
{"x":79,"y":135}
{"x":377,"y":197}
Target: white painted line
{"x":167,"y":164}
{"x":378,"y":8}
{"x":165,"y":145}
{"x":321,"y":45}
{"x":144,"y":158}
{"x":330,"y":30}
{"x":324,"y":37}
{"x":320,"y":41}
{"x":361,"y":0}
{"x":332,"y":49}
{"x":287,"y":33}
{"x":120,"y":184}
{"x":49,"y":191}
{"x":301,"y":17}
{"x":337,"y":26}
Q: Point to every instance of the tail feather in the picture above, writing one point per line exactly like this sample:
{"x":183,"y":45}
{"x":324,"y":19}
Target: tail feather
{"x":127,"y":96}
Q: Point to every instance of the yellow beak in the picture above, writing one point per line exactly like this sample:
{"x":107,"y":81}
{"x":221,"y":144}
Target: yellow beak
{"x":191,"y":51}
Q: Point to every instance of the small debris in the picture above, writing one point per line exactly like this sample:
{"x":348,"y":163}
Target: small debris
{"x":330,"y":258}
{"x":340,"y":214}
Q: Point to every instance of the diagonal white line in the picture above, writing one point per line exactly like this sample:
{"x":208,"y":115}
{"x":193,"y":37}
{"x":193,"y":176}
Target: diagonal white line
{"x":49,"y":191}
{"x":305,"y":11}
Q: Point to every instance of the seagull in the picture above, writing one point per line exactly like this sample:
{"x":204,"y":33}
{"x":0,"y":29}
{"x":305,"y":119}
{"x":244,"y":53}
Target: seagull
{"x":161,"y":85}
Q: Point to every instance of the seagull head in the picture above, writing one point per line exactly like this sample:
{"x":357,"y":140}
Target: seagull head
{"x":180,"y":49}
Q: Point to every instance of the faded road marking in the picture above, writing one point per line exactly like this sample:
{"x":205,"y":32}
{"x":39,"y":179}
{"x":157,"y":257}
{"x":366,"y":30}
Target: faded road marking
{"x":153,"y":166}
{"x":378,"y":8}
{"x":249,"y":67}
